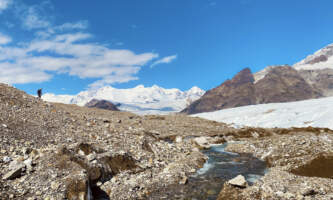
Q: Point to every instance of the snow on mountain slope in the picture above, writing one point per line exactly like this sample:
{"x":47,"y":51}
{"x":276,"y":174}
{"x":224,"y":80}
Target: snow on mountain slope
{"x":321,"y":59}
{"x":141,"y":100}
{"x":314,"y":112}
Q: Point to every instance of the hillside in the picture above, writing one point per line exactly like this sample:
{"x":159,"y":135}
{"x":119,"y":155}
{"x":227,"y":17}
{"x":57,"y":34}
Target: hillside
{"x":59,"y":151}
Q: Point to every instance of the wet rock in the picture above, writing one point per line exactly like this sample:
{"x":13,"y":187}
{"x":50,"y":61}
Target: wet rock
{"x":202,"y":142}
{"x":238,"y":181}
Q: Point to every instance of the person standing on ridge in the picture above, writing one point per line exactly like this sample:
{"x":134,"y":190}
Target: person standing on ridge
{"x":39,"y":93}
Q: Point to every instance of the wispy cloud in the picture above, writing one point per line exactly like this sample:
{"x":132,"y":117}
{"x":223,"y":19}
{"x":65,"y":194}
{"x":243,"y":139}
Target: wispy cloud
{"x":4,"y":39}
{"x":164,"y":60}
{"x":4,"y":4}
{"x":69,"y":26}
{"x":212,"y":2}
{"x":65,"y":49}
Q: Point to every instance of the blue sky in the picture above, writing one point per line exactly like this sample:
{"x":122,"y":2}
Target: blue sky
{"x":65,"y":47}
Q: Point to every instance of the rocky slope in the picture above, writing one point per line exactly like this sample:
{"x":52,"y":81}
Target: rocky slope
{"x":274,"y":84}
{"x":57,"y":151}
{"x":102,"y":104}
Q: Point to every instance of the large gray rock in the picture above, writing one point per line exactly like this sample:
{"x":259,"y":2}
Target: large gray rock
{"x":238,"y":181}
{"x":16,"y":170}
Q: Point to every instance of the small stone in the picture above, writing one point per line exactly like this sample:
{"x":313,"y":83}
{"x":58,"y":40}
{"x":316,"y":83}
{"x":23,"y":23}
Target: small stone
{"x":255,"y":134}
{"x":26,"y":150}
{"x":4,"y":125}
{"x":307,"y":191}
{"x":183,"y":181}
{"x":55,"y":185}
{"x":238,"y":181}
{"x":211,"y":192}
{"x":91,"y":157}
{"x":179,"y":139}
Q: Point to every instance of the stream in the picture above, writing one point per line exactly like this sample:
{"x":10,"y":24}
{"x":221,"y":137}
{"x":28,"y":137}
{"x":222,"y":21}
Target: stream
{"x":221,"y":166}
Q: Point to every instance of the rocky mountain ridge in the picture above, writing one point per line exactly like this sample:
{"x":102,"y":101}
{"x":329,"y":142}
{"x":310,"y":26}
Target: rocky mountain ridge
{"x":140,"y":99}
{"x":278,"y":84}
{"x":308,"y":79}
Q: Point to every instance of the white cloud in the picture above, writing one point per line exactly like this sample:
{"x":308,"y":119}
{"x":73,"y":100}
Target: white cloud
{"x":70,"y":54}
{"x":4,"y":4}
{"x":4,"y":39}
{"x":164,"y":60}
{"x":65,"y":49}
{"x":70,"y":26}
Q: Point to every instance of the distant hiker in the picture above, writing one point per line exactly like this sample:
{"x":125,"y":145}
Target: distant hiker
{"x":39,"y":93}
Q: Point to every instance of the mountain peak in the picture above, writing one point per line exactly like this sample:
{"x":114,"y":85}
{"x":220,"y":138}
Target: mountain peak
{"x":321,"y":59}
{"x":139,"y":99}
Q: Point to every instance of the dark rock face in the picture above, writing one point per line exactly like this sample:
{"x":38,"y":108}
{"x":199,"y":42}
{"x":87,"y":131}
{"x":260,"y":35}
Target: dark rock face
{"x":238,"y":91}
{"x":280,"y":84}
{"x":284,"y":84}
{"x":102,"y":104}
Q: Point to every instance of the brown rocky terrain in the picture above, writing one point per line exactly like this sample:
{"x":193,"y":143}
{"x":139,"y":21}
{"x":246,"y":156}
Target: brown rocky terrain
{"x":300,"y":165}
{"x":283,"y":84}
{"x":279,"y":84}
{"x":322,"y":79}
{"x":239,"y":91}
{"x":102,"y":104}
{"x":57,"y":151}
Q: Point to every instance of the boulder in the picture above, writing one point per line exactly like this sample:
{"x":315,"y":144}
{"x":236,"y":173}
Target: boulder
{"x":238,"y":181}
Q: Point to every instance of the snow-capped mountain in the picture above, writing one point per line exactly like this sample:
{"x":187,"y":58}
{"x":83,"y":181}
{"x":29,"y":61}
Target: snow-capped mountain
{"x":321,"y":59}
{"x":314,"y":112}
{"x":140,"y":99}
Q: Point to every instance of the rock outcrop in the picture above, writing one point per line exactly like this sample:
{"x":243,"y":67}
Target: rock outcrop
{"x":102,"y":104}
{"x":283,"y":84}
{"x":322,"y":79}
{"x":276,"y":84}
{"x":239,"y":91}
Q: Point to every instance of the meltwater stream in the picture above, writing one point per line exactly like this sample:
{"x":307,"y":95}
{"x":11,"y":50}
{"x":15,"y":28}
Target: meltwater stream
{"x":219,"y":168}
